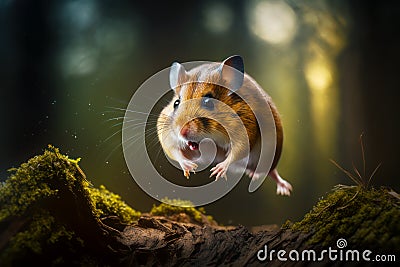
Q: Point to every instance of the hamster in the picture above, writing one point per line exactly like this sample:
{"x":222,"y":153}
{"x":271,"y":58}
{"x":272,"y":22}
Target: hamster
{"x":185,"y":121}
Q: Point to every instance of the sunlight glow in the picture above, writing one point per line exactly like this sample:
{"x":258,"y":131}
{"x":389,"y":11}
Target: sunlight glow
{"x":273,"y":21}
{"x":318,"y":74}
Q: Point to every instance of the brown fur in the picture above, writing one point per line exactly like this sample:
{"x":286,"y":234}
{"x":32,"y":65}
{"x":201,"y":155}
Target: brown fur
{"x":206,"y":109}
{"x":193,"y":90}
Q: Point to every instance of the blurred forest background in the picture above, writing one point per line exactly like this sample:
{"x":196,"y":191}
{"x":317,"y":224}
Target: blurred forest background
{"x":331,"y":66}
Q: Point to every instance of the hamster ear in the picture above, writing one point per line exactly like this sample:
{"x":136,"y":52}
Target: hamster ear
{"x":177,"y":75}
{"x":232,"y":72}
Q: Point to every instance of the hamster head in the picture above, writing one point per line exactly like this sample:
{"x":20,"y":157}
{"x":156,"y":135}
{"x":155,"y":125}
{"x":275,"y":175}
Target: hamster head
{"x":204,"y":105}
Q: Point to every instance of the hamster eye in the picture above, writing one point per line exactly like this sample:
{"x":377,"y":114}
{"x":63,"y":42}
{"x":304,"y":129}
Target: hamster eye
{"x":207,"y":103}
{"x":176,"y":103}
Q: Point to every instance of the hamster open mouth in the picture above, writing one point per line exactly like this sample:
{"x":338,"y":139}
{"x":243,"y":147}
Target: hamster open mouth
{"x":193,"y":145}
{"x":191,"y":150}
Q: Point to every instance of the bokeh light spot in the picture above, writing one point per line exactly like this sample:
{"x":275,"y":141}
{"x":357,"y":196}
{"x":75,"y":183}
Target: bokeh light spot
{"x":272,"y":21}
{"x":80,"y":14}
{"x":79,"y":60}
{"x":318,"y":74}
{"x":218,"y":17}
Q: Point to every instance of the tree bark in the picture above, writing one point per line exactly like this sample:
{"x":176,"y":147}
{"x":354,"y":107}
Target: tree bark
{"x":158,"y":241}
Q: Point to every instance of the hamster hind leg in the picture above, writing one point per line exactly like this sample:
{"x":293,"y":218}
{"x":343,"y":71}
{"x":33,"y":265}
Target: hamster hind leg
{"x":283,"y":187}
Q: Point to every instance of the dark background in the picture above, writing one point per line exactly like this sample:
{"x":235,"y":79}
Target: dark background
{"x":67,"y":66}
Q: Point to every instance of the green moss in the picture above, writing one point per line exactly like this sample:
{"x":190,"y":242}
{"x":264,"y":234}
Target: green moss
{"x":36,"y":190}
{"x":110,"y":204}
{"x":32,"y":181}
{"x":41,"y":232}
{"x":177,"y":207}
{"x":365,"y":217}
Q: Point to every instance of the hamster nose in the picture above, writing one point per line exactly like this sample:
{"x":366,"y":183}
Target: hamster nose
{"x":184,"y":131}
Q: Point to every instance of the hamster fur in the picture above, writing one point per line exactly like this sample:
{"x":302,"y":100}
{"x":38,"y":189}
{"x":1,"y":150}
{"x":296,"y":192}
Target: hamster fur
{"x":182,"y":124}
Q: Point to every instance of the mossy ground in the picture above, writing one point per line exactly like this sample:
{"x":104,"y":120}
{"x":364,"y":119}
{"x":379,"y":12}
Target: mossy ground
{"x":33,"y":191}
{"x":182,"y":211}
{"x":110,"y":204}
{"x":365,"y":217}
{"x":36,"y":196}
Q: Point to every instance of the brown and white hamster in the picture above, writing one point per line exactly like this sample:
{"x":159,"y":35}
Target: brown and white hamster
{"x":193,"y":115}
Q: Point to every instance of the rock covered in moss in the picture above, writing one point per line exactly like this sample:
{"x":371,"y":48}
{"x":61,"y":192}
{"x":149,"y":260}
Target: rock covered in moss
{"x":47,"y":204}
{"x":34,"y":181}
{"x":366,"y":218}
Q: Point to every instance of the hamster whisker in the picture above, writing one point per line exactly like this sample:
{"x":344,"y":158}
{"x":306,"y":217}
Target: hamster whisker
{"x":153,"y":143}
{"x":129,"y":123}
{"x":134,"y":126}
{"x":111,"y":136}
{"x":116,"y":118}
{"x":158,"y":154}
{"x":163,"y":128}
{"x":117,"y":147}
{"x":134,"y":111}
{"x":120,"y":123}
{"x":131,"y":140}
{"x":132,"y":122}
{"x":152,"y":140}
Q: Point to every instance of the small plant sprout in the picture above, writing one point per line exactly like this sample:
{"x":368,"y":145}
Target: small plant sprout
{"x":359,"y":178}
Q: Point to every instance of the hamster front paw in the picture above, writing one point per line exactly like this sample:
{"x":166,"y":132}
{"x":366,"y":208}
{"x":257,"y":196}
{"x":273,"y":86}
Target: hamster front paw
{"x":220,"y":170}
{"x":187,"y":167}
